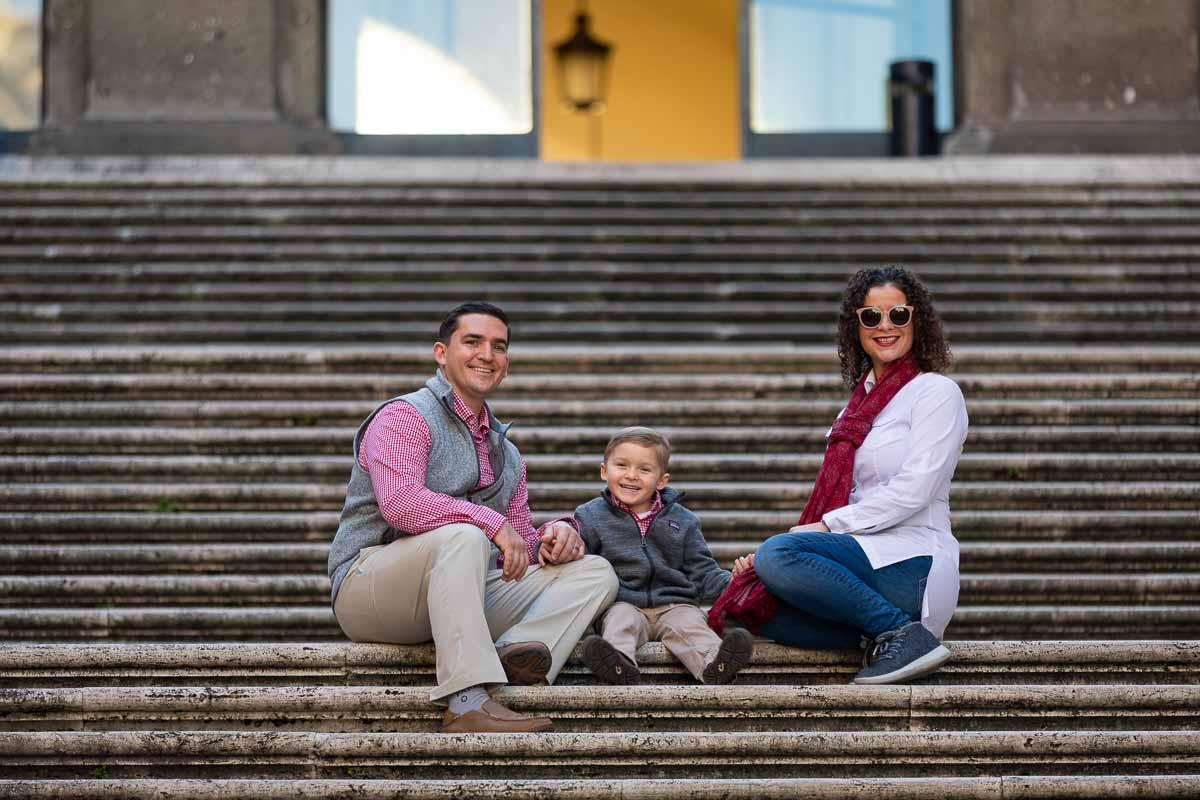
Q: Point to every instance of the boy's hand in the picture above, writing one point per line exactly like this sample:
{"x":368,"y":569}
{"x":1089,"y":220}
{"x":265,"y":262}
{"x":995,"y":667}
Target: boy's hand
{"x":561,"y":543}
{"x":512,"y":547}
{"x":743,"y":563}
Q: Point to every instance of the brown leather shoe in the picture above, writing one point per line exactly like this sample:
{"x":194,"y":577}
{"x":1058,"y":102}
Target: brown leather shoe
{"x":494,"y":718}
{"x":608,"y":663}
{"x":525,"y":663}
{"x":737,"y":648}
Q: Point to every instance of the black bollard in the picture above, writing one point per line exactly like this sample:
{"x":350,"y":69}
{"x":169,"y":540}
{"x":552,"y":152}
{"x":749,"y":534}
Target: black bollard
{"x":910,"y":87}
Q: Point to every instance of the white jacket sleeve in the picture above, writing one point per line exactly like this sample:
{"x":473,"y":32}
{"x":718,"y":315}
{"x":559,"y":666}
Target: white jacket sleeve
{"x":934,"y":443}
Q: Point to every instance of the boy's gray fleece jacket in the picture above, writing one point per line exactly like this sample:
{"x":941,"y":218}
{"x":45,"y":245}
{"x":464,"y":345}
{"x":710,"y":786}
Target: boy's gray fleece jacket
{"x":671,"y":565}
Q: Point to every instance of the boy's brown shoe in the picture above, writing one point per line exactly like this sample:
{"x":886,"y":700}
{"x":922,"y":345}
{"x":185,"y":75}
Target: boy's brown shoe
{"x":608,"y":663}
{"x":494,"y":718}
{"x":737,"y":647}
{"x":525,"y":663}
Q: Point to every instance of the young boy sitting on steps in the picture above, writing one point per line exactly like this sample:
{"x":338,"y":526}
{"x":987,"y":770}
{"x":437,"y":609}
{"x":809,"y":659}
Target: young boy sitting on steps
{"x":663,"y":565}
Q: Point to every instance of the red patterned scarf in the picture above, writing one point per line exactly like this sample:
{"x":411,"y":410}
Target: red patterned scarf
{"x":746,"y":599}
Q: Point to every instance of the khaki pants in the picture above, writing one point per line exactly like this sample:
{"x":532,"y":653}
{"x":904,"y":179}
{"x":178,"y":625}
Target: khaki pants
{"x":682,"y":628}
{"x":441,"y":585}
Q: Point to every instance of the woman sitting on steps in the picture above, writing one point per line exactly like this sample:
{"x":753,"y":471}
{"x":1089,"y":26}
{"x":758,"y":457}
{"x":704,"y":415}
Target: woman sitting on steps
{"x":873,"y":556}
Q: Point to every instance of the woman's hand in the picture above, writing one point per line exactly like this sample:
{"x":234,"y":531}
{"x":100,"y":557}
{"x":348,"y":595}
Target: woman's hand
{"x":812,"y":527}
{"x":743,"y":563}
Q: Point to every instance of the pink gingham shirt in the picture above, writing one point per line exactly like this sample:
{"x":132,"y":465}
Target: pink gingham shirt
{"x":395,"y":451}
{"x":643,"y":522}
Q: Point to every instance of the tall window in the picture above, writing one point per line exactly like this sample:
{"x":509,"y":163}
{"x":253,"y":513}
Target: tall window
{"x":20,"y":64}
{"x":821,"y":66}
{"x":430,"y":66}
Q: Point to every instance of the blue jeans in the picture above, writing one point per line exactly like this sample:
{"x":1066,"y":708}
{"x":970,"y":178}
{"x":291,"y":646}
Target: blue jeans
{"x":831,"y":594}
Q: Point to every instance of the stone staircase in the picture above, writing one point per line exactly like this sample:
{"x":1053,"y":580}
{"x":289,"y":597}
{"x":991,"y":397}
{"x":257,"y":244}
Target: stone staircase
{"x":186,"y":347}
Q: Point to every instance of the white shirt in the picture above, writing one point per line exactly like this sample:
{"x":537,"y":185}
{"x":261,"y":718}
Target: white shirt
{"x":900,"y":501}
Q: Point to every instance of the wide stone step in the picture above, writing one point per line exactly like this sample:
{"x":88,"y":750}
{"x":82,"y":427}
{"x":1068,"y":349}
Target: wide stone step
{"x":534,"y":317}
{"x":357,"y":386}
{"x":1024,"y":787}
{"x":727,"y":467}
{"x":315,"y":622}
{"x":34,"y":213}
{"x":174,"y":589}
{"x":821,"y":280}
{"x":133,"y":754}
{"x":572,"y":413}
{"x":632,"y":282}
{"x":650,"y":232}
{"x":844,"y":249}
{"x":1021,"y":528}
{"x":311,"y":441}
{"x":343,"y":663}
{"x":758,"y":496}
{"x":692,"y":329}
{"x":763,"y":191}
{"x":574,"y":359}
{"x":259,"y":559}
{"x":594,"y":709}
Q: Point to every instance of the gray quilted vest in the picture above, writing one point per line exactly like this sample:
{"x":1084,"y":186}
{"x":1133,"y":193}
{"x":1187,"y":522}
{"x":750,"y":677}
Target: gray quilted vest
{"x":453,"y":469}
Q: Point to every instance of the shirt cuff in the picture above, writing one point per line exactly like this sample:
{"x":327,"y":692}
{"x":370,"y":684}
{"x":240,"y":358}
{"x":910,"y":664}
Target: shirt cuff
{"x":490,"y":521}
{"x":569,"y":520}
{"x":838,"y":523}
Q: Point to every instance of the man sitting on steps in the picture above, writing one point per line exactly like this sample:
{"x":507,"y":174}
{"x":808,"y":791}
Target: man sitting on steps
{"x":436,"y":538}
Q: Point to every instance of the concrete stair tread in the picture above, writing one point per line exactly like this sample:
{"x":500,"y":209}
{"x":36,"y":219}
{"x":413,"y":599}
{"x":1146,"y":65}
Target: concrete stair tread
{"x":322,"y":332}
{"x":1028,"y":467}
{"x":692,"y":755}
{"x":1000,"y":254}
{"x":553,"y":358}
{"x":1023,"y":787}
{"x":653,"y":232}
{"x":170,"y":526}
{"x":34,"y":591}
{"x":582,"y":385}
{"x":600,"y":708}
{"x":276,"y":621}
{"x":662,"y":413}
{"x":34,"y":211}
{"x":338,"y":663}
{"x":702,"y":496}
{"x":100,"y":440}
{"x":256,"y":557}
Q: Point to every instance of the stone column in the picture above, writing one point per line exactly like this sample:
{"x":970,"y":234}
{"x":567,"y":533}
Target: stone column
{"x":184,"y":76}
{"x":1077,"y":76}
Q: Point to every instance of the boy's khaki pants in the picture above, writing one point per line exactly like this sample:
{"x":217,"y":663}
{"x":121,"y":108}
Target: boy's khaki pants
{"x":681,"y":627}
{"x":442,"y":585}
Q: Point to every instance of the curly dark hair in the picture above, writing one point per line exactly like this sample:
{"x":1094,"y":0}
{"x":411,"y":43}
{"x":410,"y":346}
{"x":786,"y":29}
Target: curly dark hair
{"x":930,"y":348}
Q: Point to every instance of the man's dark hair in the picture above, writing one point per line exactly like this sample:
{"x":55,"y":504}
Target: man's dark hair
{"x":450,"y":323}
{"x":930,"y":348}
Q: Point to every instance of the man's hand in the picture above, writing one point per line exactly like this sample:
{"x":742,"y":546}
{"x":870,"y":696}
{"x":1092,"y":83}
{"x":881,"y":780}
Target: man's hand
{"x":560,"y":543}
{"x":512,"y":547}
{"x":812,"y":527}
{"x":743,"y":563}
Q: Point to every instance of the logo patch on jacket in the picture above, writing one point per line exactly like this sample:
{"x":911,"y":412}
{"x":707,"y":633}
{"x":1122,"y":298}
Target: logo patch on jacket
{"x":673,"y":524}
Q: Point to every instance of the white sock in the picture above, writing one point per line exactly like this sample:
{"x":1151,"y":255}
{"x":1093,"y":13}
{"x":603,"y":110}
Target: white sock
{"x":467,"y":700}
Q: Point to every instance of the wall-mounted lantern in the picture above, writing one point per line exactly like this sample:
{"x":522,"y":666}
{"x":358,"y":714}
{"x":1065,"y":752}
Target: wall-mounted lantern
{"x":583,"y":67}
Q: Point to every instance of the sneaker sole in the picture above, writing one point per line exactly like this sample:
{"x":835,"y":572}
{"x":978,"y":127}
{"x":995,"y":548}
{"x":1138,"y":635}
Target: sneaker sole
{"x":527,"y":666}
{"x":603,"y":660}
{"x":734,"y":660}
{"x":919,"y":668}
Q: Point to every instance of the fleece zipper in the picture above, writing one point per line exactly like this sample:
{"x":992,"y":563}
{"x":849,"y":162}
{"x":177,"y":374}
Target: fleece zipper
{"x":646,"y":550}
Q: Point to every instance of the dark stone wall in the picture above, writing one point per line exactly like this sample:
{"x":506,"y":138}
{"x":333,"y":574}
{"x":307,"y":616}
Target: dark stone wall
{"x":184,"y":76}
{"x":1092,"y":76}
{"x":247,"y":76}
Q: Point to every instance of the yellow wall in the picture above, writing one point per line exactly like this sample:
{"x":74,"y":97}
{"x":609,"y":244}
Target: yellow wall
{"x":673,"y":81}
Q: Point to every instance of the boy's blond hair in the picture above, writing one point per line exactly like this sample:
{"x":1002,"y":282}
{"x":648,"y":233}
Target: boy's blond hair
{"x":645,"y":437}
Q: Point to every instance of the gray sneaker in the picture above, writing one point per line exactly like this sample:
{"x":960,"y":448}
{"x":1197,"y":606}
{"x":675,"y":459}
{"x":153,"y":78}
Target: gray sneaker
{"x":907,"y":653}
